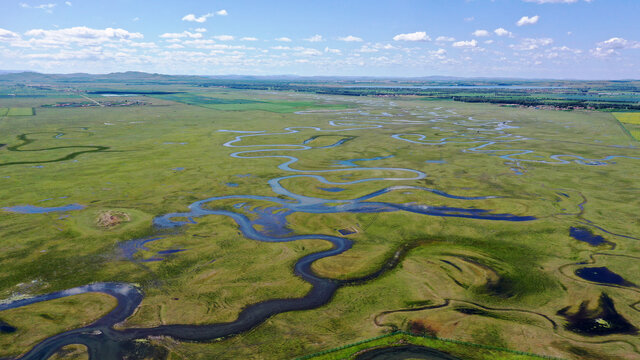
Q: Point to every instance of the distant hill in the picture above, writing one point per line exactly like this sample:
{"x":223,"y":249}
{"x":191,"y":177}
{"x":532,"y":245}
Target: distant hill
{"x":143,"y":78}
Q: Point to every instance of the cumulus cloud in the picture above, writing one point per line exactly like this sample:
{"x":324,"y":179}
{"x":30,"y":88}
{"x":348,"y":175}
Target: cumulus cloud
{"x":184,"y":34}
{"x":602,"y":52}
{"x":416,"y":36}
{"x":465,"y":44}
{"x":198,"y":19}
{"x":81,"y":35}
{"x":7,"y":35}
{"x":445,"y":39}
{"x":331,"y":51}
{"x":480,"y":33}
{"x":200,"y":30}
{"x":350,"y":38}
{"x":222,"y":12}
{"x":619,"y":43}
{"x":46,"y":7}
{"x":68,"y":3}
{"x":283,"y":39}
{"x":438,"y":54}
{"x":315,"y":38}
{"x":610,"y":47}
{"x":526,"y":20}
{"x":309,"y":52}
{"x":224,"y":37}
{"x":503,"y":32}
{"x":532,"y":44}
{"x":249,"y":38}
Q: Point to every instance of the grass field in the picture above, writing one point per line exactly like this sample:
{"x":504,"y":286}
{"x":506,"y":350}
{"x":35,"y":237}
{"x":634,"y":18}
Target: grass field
{"x":39,"y":321}
{"x":20,"y":111}
{"x":231,"y":102}
{"x":493,"y":283}
{"x":16,"y":111}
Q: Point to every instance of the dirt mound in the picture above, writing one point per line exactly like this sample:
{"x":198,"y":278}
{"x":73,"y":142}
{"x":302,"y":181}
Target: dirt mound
{"x":109,"y":219}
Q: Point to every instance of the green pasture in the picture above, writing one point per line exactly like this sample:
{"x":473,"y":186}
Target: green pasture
{"x":146,"y":161}
{"x":16,"y":111}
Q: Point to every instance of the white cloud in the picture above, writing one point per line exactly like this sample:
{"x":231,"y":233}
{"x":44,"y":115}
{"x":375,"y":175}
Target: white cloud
{"x":480,"y":33}
{"x":135,"y":18}
{"x":283,"y":39}
{"x":601,"y":52}
{"x":416,"y":36}
{"x":198,"y":19}
{"x":619,"y":43}
{"x":224,"y":37}
{"x":46,"y":7}
{"x":525,"y":20}
{"x":503,"y":32}
{"x":350,"y":38}
{"x":465,"y":44}
{"x":310,"y":52}
{"x":367,"y":49}
{"x":280,"y":47}
{"x":488,"y":42}
{"x":332,"y":51}
{"x":7,"y":35}
{"x":175,"y":46}
{"x":200,"y":30}
{"x":68,"y":3}
{"x":445,"y":39}
{"x":609,"y":47}
{"x":81,"y":35}
{"x":249,"y":38}
{"x":222,"y":12}
{"x":315,"y":38}
{"x":532,"y":44}
{"x":146,"y":45}
{"x":438,"y":54}
{"x":184,"y":34}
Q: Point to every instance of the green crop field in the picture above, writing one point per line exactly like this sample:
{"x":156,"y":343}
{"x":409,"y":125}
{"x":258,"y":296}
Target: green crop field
{"x":629,"y":118}
{"x":471,"y":222}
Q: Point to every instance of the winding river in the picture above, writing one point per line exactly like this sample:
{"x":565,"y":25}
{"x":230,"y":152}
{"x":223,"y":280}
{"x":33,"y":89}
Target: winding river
{"x":104,"y":342}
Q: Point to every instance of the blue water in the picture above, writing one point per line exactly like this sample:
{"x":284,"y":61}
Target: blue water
{"x":178,"y":169}
{"x":230,"y":184}
{"x":332,"y":189}
{"x":587,"y":236}
{"x":30,"y":209}
{"x":352,"y":162}
{"x":602,"y":275}
{"x":436,"y":161}
{"x":346,"y":232}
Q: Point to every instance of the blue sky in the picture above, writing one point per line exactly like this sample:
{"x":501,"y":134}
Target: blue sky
{"x":585,"y":39}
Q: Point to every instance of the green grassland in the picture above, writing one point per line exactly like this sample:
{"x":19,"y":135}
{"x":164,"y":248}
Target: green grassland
{"x":229,"y":102}
{"x":16,"y":111}
{"x":39,"y":321}
{"x":515,"y":275}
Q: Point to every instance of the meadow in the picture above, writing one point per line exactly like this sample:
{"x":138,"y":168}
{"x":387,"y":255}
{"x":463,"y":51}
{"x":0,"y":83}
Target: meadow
{"x":436,"y":254}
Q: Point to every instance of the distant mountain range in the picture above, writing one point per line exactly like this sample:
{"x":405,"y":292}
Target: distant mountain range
{"x":142,"y":77}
